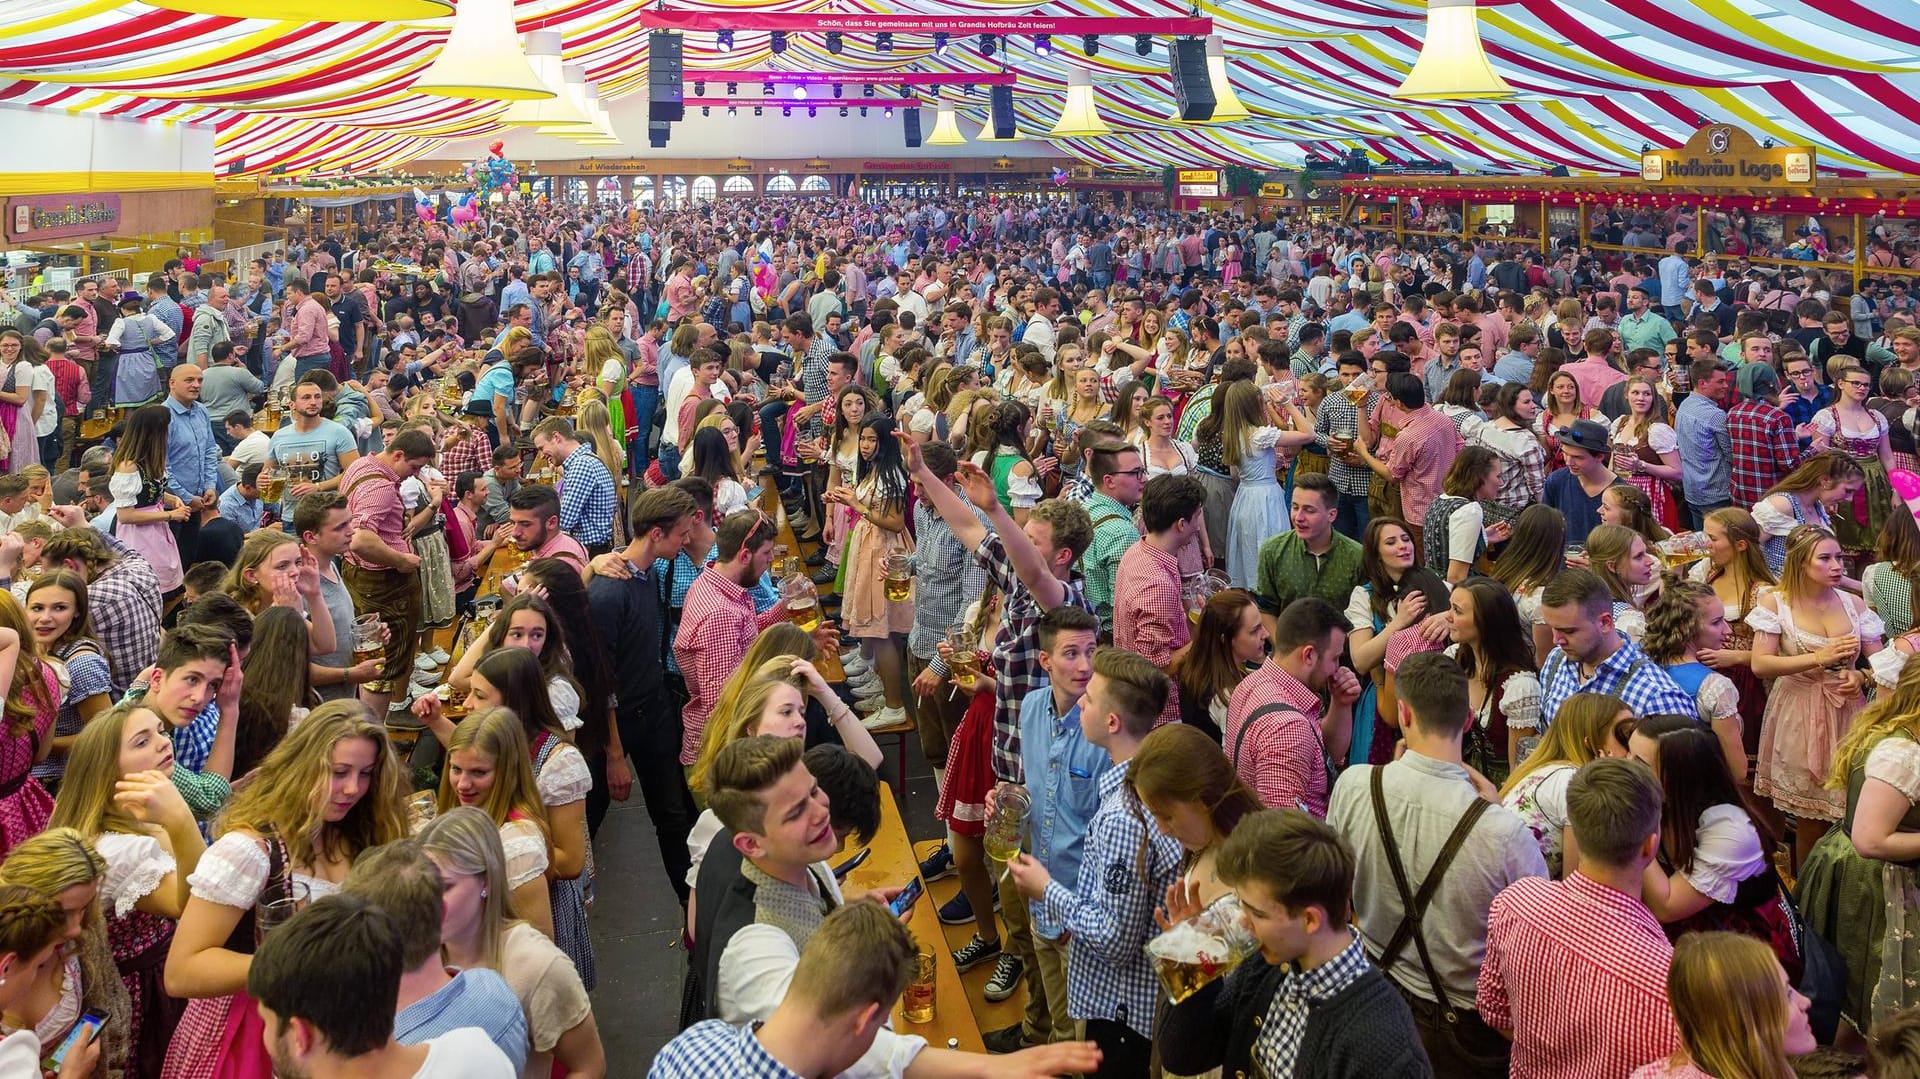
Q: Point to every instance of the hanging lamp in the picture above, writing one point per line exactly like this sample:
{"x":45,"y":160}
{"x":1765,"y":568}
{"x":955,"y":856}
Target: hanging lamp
{"x":314,"y":10}
{"x":986,"y":132}
{"x":946,"y":127}
{"x":482,"y":58}
{"x":543,"y":52}
{"x":1453,"y":63}
{"x":1078,"y":116}
{"x":1226,"y":104}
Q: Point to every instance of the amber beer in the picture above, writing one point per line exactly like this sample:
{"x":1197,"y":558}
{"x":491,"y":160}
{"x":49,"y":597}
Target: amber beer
{"x":805,"y":613}
{"x":964,"y":664}
{"x":276,"y":488}
{"x":1355,"y":394}
{"x":899,"y":585}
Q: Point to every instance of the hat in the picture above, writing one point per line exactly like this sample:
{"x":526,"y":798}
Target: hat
{"x":1589,"y":435}
{"x":1757,"y":380}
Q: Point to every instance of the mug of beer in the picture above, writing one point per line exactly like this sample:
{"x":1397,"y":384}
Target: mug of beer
{"x":1006,"y":826}
{"x":1201,"y":949}
{"x":899,"y":569}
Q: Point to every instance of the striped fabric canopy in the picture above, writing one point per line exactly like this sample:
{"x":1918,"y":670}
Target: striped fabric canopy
{"x":1596,"y":79}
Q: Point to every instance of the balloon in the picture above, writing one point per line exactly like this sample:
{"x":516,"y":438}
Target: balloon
{"x":463,"y":215}
{"x":497,"y":146}
{"x":425,"y":211}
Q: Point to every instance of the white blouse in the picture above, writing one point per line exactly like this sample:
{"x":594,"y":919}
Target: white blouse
{"x":526,"y":849}
{"x":1726,"y":851}
{"x":233,"y":873}
{"x":136,"y":864}
{"x":564,"y":779}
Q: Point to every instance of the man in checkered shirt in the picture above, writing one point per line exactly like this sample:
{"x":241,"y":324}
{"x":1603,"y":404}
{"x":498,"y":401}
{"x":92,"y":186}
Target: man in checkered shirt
{"x":1591,"y":656}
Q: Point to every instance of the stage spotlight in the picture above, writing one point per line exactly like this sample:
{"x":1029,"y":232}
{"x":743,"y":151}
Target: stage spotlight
{"x":779,"y":42}
{"x":1043,"y":44}
{"x":699,"y":89}
{"x":986,"y":44}
{"x":1090,"y":44}
{"x":940,"y":42}
{"x":867,"y":91}
{"x":863,"y":110}
{"x":733,"y":89}
{"x":1143,"y":43}
{"x":724,"y":40}
{"x":843,"y":110}
{"x":706,"y":110}
{"x":799,"y":93}
{"x":883,"y":41}
{"x":834,"y":42}
{"x":733,"y":110}
{"x":838,"y":90}
{"x":770,"y":89}
{"x":888,"y":113}
{"x":757,"y":110}
{"x":786,"y":110}
{"x":811,"y":111}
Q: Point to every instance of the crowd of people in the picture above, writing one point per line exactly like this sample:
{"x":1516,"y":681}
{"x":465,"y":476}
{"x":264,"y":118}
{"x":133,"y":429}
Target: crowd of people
{"x":1505,"y":641}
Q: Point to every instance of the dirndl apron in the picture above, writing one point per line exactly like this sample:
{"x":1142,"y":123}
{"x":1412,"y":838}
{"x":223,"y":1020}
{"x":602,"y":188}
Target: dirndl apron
{"x":569,"y":897}
{"x":436,"y":575}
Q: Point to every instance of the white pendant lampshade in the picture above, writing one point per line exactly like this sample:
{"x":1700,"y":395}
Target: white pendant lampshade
{"x":946,"y":128}
{"x":1226,"y":103}
{"x":1452,"y":64}
{"x":1078,"y":116}
{"x":315,"y":10}
{"x":987,"y":135}
{"x":482,"y":58}
{"x":543,"y":52}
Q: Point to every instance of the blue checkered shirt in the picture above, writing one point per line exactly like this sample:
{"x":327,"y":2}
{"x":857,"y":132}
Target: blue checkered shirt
{"x":717,"y":1050}
{"x":1108,"y":913}
{"x":1337,"y":416}
{"x":588,"y":499}
{"x":1016,"y":652}
{"x":938,"y":560}
{"x":1627,"y":674}
{"x":1276,"y":1049}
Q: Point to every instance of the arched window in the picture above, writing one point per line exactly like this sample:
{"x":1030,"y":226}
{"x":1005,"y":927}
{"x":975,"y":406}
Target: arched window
{"x":607,"y":190}
{"x":780,"y":185}
{"x":576,"y":189}
{"x":673,"y":192}
{"x":815,"y":183}
{"x":704,"y":189}
{"x":643,"y":190}
{"x":737,"y":185}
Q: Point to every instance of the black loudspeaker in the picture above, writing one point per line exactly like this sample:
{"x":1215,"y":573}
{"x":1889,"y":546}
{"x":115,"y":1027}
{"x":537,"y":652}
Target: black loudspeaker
{"x":1001,"y":102}
{"x":657,"y":133}
{"x":666,"y":100}
{"x":913,"y":127}
{"x":1192,"y":88}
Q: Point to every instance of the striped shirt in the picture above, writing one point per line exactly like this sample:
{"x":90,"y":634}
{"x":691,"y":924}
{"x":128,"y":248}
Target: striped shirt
{"x":587,"y":498}
{"x":939,"y":559}
{"x":1578,"y":973}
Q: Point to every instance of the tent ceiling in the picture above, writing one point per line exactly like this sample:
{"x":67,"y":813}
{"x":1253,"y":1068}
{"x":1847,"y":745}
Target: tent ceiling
{"x":1597,"y":78}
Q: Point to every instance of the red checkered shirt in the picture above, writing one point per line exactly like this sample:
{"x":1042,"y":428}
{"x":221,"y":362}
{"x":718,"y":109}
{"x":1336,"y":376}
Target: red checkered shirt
{"x":717,"y":625}
{"x":470,"y":454}
{"x":373,"y":500}
{"x":1584,"y":969}
{"x":70,"y":382}
{"x":1422,"y":451}
{"x":1282,"y":758}
{"x":1763,"y":447}
{"x":1153,"y":620}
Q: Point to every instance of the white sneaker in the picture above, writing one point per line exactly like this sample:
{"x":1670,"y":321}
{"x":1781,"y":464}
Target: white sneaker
{"x":424,"y":663}
{"x":852,"y":655}
{"x":885,"y":717}
{"x":855,"y":667}
{"x":866,"y":706}
{"x":866,"y":685}
{"x":439,"y":656}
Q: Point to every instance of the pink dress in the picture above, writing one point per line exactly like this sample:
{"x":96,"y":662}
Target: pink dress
{"x":25,"y":805}
{"x":1806,"y":715}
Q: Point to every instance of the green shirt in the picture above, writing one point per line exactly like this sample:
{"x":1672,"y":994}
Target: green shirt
{"x":1646,"y":331}
{"x":1113,"y":533}
{"x":1288,"y":572}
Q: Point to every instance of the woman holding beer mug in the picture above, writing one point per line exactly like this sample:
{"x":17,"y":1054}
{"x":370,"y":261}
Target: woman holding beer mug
{"x":876,"y":548}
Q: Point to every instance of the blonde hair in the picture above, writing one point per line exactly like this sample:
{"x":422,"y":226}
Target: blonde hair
{"x":28,"y":695}
{"x":254,"y":594}
{"x":49,"y":863}
{"x":1608,"y":544}
{"x":86,"y":802}
{"x":498,"y":735}
{"x":741,"y":713}
{"x":468,"y":841}
{"x":595,"y":421}
{"x":517,"y":338}
{"x":1730,"y":1005}
{"x":1801,"y":544}
{"x":1581,"y":728}
{"x":1740,"y":527}
{"x":286,"y":795}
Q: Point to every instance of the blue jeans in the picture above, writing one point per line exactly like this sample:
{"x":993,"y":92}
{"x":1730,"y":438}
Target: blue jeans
{"x":318,"y":362}
{"x":669,"y":460}
{"x":646,"y":401}
{"x":1350,"y":518}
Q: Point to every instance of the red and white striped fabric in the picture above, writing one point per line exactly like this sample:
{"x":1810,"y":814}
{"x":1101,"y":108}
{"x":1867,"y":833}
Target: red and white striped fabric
{"x":1578,"y":972}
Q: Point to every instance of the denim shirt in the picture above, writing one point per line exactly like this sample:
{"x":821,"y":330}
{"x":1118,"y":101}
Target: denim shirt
{"x":1063,"y":773}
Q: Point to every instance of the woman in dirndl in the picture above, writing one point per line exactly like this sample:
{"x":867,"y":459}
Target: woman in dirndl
{"x":1849,"y":426}
{"x":962,"y":806}
{"x":1646,"y":453}
{"x":143,"y":510}
{"x":273,"y":855}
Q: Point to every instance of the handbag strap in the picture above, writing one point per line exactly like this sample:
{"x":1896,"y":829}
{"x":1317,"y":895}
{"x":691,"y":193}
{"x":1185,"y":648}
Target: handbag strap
{"x":1415,"y":904}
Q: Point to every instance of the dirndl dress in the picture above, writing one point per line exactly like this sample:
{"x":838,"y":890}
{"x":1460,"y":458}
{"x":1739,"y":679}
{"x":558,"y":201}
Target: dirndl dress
{"x":136,"y":864}
{"x":560,"y":773}
{"x":969,"y":774}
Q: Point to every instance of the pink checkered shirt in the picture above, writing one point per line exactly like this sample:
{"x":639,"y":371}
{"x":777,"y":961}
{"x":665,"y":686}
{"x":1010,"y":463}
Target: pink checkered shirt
{"x":1153,"y":620}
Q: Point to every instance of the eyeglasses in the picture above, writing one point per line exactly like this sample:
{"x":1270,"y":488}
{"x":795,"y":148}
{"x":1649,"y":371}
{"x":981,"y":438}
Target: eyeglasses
{"x":1141,"y":471}
{"x":1857,"y":384}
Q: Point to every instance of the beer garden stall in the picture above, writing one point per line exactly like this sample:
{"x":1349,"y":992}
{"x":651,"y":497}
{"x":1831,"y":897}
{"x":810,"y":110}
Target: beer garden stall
{"x":1719,"y":178}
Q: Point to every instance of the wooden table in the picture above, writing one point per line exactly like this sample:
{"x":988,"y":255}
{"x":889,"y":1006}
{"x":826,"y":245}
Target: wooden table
{"x":892,"y":864}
